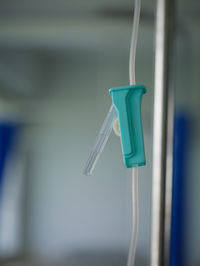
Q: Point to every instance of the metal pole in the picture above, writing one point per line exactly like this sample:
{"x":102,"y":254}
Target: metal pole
{"x":162,"y":135}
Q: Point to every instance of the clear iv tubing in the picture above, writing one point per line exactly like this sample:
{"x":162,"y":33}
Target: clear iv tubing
{"x":134,"y":177}
{"x":105,"y":133}
{"x":135,"y":215}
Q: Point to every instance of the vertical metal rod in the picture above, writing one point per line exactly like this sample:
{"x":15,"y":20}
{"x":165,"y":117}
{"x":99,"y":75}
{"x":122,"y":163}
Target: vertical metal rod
{"x":162,"y":135}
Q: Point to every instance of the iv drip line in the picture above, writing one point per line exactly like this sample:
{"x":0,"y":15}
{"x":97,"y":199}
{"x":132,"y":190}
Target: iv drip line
{"x":134,"y":177}
{"x":105,"y":133}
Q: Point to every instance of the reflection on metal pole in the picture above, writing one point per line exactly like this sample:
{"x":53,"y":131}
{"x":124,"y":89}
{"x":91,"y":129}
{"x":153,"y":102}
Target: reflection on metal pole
{"x":163,"y":135}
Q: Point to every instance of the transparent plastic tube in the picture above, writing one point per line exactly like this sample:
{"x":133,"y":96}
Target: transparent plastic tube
{"x":101,"y":140}
{"x":135,"y":217}
{"x":134,"y":179}
{"x":134,"y":38}
{"x":105,"y":133}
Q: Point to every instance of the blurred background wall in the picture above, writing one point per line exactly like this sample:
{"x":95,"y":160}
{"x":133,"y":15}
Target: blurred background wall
{"x":58,"y":60}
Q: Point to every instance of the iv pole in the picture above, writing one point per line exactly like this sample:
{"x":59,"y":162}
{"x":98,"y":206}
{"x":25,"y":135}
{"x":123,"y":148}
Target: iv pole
{"x":162,"y":135}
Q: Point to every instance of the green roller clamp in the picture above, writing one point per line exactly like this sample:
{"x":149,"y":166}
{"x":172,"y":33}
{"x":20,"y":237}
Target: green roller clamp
{"x":127,"y":101}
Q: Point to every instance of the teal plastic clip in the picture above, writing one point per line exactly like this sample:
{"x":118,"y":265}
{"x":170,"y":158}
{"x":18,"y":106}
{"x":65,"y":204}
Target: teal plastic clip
{"x":127,"y":101}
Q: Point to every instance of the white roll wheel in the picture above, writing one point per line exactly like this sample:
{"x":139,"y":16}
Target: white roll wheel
{"x":116,"y":127}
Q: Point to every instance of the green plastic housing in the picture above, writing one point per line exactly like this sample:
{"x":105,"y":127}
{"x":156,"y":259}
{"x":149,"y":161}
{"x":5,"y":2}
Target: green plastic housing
{"x":127,"y":101}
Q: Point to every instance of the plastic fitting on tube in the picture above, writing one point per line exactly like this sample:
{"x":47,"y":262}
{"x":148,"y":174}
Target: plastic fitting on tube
{"x":101,"y":140}
{"x":127,"y":101}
